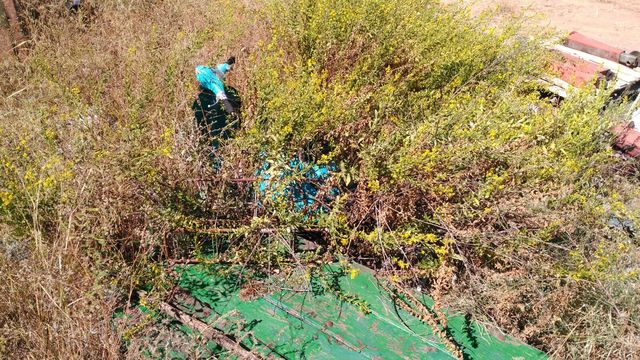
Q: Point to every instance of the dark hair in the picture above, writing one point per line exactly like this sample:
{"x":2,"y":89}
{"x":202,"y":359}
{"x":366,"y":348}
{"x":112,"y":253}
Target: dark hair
{"x":231,"y":60}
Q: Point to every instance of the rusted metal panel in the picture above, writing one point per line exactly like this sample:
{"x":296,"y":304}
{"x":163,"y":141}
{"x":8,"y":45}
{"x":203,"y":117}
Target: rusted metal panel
{"x":628,"y":140}
{"x":583,"y":43}
{"x":624,"y":74}
{"x":578,"y":72}
{"x":594,"y":47}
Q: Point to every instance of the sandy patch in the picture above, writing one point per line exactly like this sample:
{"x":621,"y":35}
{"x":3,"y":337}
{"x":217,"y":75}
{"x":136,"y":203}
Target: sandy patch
{"x":616,"y":22}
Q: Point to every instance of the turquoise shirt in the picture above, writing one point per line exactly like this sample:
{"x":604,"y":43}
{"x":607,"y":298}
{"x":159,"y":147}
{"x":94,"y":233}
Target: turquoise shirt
{"x":212,"y":79}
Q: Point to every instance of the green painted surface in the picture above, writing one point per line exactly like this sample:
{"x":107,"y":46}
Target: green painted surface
{"x":170,"y":339}
{"x":317,"y":325}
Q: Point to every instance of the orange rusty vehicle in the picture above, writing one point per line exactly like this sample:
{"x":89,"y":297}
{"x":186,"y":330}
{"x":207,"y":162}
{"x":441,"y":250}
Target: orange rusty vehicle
{"x":585,"y":61}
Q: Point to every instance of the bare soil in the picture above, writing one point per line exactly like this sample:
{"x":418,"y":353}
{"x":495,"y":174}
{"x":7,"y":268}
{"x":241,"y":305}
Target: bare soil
{"x":616,"y":22}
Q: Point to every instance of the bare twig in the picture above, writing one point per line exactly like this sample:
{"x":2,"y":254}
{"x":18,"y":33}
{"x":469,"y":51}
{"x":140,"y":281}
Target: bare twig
{"x":209,"y":332}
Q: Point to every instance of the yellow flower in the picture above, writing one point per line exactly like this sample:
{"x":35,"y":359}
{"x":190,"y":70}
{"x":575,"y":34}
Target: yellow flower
{"x":6,"y":198}
{"x":29,"y":176}
{"x":49,"y":134}
{"x":49,"y":182}
{"x":354,"y":273}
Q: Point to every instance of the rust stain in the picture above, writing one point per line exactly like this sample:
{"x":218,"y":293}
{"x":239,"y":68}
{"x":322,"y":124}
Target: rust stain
{"x":252,"y":291}
{"x":342,"y":342}
{"x":429,"y":349}
{"x":300,"y":317}
{"x":578,"y":72}
{"x":374,"y":326}
{"x":395,"y":347}
{"x":496,"y":333}
{"x":309,"y":311}
{"x":578,"y":41}
{"x":628,"y":140}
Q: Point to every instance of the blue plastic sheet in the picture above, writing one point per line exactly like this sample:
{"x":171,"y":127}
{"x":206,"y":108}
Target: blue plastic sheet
{"x":305,"y":194}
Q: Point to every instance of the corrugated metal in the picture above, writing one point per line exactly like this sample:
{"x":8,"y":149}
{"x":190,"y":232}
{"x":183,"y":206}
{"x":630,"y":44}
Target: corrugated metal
{"x":351,"y":316}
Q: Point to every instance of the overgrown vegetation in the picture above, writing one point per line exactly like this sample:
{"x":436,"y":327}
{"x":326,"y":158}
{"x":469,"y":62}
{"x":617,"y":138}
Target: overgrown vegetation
{"x":452,"y":172}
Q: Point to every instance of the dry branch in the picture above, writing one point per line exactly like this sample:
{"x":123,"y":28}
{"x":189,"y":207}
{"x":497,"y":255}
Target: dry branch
{"x":209,"y":332}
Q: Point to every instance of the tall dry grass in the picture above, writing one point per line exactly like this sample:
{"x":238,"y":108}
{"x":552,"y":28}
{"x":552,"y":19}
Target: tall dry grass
{"x":97,"y":147}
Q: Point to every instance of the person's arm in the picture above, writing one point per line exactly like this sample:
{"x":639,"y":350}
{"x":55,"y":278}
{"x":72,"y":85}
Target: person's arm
{"x":222,"y":97}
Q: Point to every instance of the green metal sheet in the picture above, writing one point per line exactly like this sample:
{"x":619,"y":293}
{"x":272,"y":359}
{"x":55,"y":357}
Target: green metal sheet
{"x":165,"y":337}
{"x":319,"y":325}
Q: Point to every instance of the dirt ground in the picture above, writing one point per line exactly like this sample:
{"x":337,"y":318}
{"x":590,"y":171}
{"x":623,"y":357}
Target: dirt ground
{"x":616,"y":22}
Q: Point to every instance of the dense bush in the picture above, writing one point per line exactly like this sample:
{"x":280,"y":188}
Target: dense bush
{"x":452,"y":166}
{"x":452,"y":171}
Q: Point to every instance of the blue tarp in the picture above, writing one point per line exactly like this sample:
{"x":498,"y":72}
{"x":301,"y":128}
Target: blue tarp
{"x":304,"y":193}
